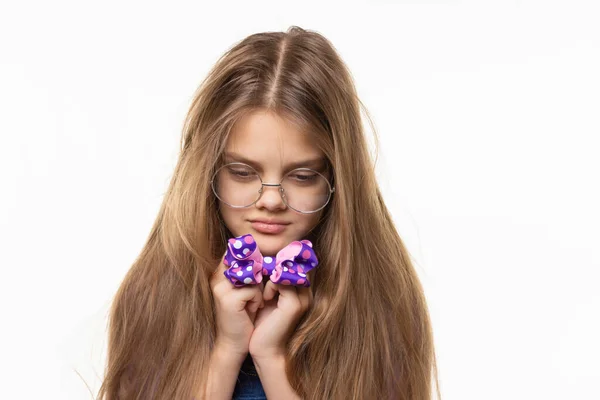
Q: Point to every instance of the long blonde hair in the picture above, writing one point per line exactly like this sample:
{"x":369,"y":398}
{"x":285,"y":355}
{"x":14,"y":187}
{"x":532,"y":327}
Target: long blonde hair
{"x":368,"y":334}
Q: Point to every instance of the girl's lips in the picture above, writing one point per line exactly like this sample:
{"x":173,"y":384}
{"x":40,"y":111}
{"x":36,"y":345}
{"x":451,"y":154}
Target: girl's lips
{"x":268,"y":228}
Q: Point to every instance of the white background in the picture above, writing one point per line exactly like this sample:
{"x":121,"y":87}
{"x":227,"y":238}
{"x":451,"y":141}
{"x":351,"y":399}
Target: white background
{"x":488,"y":117}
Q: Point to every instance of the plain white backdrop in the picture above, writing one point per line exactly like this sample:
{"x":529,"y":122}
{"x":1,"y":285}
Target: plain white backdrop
{"x":488,"y":118}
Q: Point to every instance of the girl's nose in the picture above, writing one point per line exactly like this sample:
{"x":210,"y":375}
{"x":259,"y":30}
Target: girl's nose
{"x":271,"y":199}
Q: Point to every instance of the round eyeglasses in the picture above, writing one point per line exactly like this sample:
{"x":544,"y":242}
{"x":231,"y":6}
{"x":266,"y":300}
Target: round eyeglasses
{"x":239,"y":185}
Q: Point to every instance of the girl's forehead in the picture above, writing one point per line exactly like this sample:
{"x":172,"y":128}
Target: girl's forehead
{"x":264,"y":136}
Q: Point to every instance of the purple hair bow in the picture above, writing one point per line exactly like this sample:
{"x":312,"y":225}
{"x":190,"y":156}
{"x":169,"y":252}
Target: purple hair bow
{"x":247,"y":265}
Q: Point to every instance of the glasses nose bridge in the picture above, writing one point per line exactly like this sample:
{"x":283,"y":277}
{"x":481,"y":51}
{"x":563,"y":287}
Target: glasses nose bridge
{"x":270,"y":184}
{"x":280,"y":190}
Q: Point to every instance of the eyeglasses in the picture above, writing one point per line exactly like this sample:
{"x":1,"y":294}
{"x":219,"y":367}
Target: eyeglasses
{"x":239,"y":185}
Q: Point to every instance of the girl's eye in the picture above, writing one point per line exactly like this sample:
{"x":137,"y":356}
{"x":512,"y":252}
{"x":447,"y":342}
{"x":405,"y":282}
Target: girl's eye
{"x":304,"y":177}
{"x":242,"y":173}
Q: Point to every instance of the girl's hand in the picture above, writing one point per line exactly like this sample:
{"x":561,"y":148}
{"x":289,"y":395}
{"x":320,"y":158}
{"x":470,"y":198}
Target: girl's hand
{"x":235,"y":310}
{"x":276,"y":321}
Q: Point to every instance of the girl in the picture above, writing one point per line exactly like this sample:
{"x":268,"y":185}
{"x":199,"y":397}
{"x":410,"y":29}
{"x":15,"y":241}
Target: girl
{"x":278,"y":109}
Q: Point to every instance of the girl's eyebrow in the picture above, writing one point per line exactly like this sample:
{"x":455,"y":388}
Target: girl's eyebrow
{"x":313,"y":163}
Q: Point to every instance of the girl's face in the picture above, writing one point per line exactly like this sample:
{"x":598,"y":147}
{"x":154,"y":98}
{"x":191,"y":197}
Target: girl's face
{"x":271,"y":145}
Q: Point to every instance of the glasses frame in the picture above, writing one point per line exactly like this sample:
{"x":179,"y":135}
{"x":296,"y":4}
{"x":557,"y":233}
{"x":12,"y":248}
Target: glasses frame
{"x":281,"y":189}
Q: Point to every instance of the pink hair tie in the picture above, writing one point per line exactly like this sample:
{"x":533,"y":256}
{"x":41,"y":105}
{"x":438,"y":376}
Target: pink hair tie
{"x":247,"y":265}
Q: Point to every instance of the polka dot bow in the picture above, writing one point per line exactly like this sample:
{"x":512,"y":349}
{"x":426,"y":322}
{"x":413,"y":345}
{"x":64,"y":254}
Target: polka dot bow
{"x":247,"y":265}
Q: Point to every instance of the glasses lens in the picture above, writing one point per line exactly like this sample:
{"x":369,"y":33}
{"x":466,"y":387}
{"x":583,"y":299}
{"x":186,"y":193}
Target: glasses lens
{"x":237,"y":184}
{"x":305,"y":190}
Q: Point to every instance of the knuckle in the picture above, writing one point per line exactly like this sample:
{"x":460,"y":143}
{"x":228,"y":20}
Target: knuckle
{"x":220,"y":289}
{"x":227,"y":304}
{"x":297,"y":305}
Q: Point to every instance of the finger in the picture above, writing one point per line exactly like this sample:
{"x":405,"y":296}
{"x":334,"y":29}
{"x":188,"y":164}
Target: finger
{"x":288,"y":298}
{"x":288,"y":292}
{"x":247,"y":297}
{"x":270,"y":291}
{"x":252,"y":316}
{"x":219,"y":278}
{"x":306,"y":297}
{"x":218,"y":274}
{"x":254,"y":304}
{"x":255,"y":301}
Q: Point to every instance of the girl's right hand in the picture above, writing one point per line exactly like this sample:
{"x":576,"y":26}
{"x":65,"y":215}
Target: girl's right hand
{"x":235,"y":311}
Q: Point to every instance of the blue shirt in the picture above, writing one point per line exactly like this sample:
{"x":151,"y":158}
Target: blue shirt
{"x":248,"y":386}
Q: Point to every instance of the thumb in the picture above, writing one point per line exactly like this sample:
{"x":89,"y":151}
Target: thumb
{"x":270,"y":291}
{"x":254,"y":303}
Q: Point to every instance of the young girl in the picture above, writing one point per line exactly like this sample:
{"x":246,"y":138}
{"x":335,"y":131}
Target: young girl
{"x":278,"y":110}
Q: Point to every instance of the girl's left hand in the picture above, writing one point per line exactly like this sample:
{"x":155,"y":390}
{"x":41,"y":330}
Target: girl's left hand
{"x":277,"y":320}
